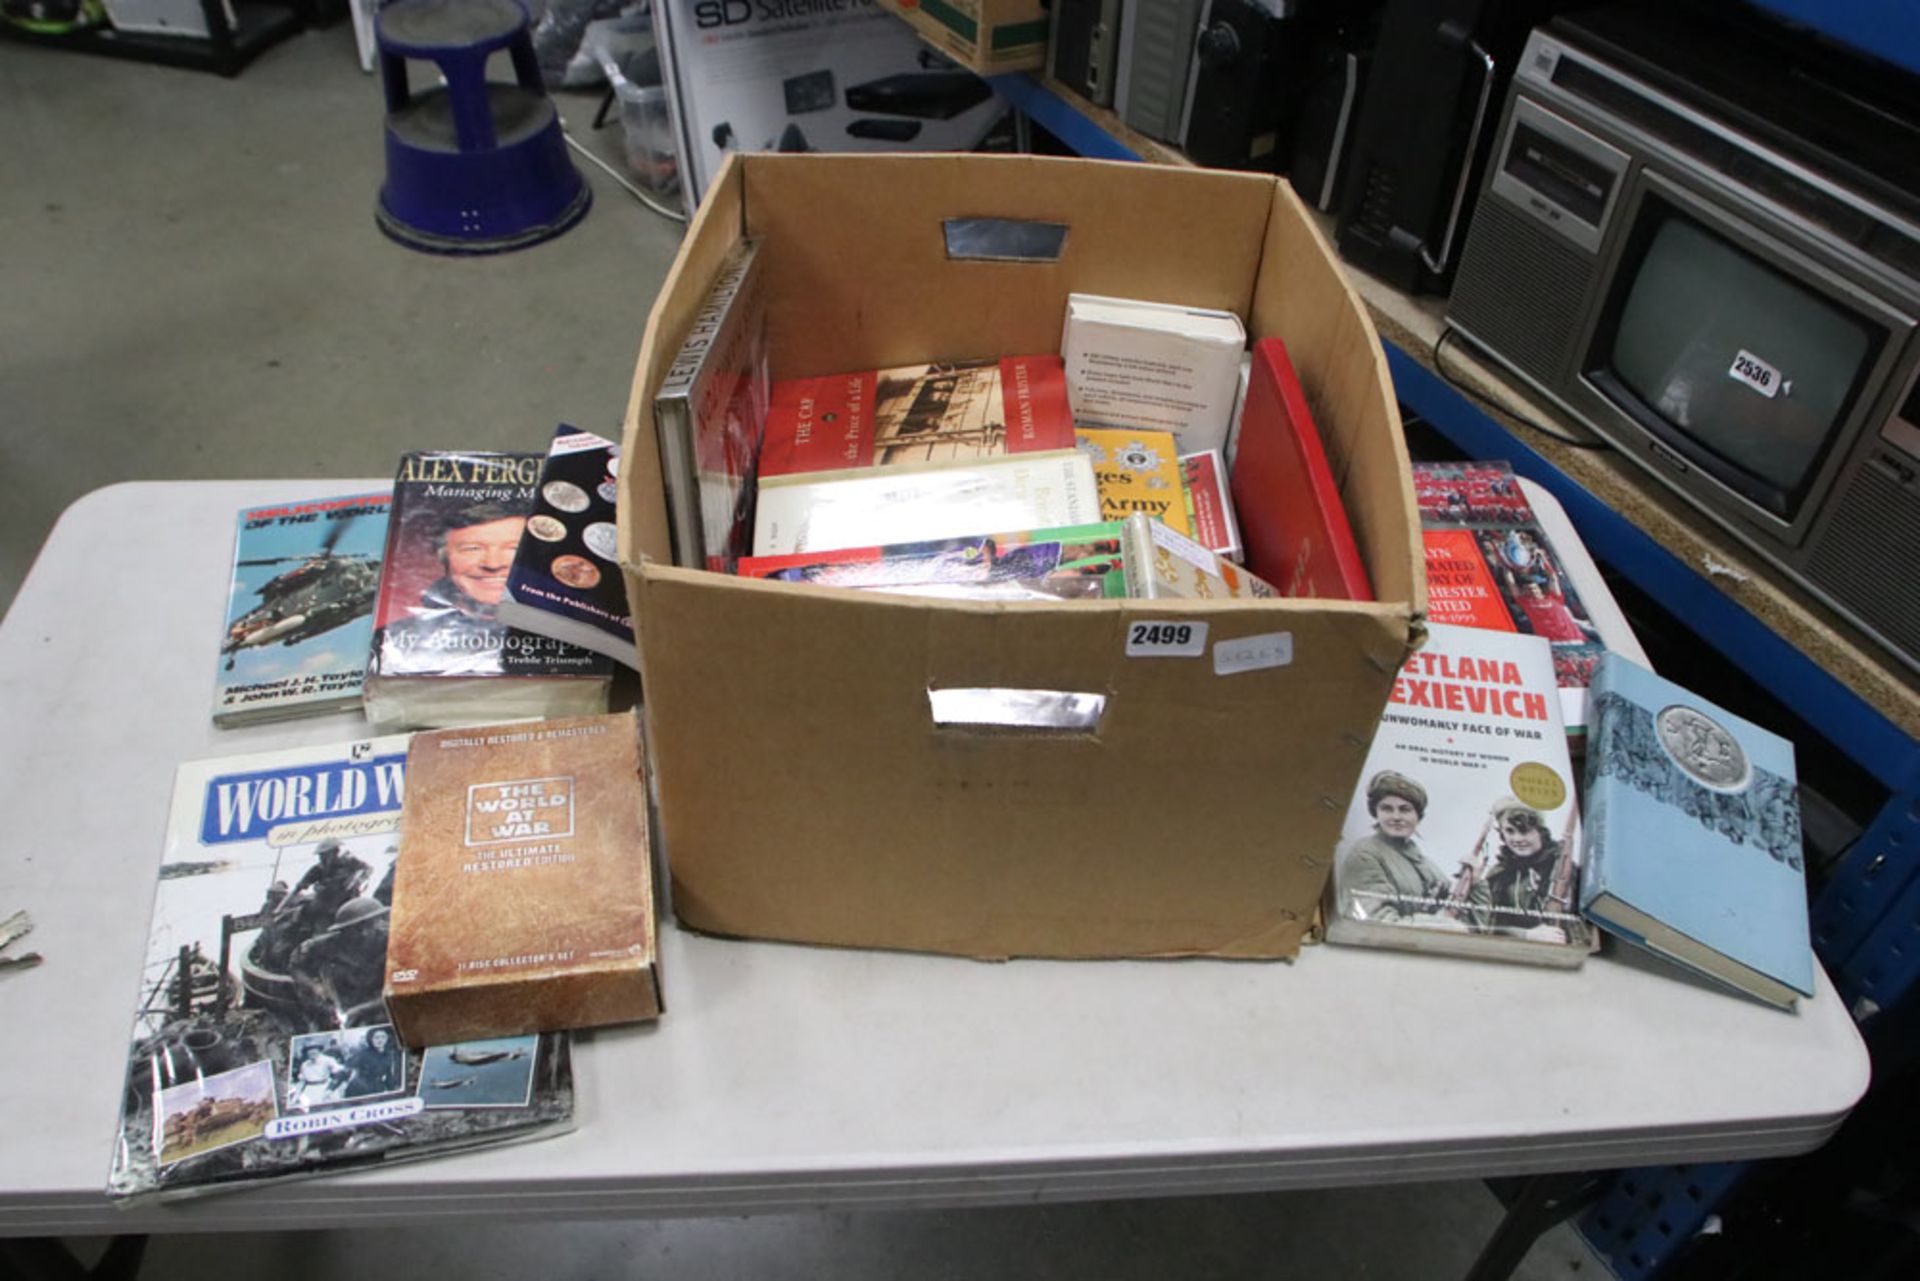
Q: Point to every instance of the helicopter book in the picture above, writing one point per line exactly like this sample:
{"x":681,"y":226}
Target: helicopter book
{"x":300,"y":613}
{"x":261,"y":1049}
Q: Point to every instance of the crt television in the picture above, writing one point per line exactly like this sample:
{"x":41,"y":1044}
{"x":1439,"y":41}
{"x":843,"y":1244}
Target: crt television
{"x":1714,"y":263}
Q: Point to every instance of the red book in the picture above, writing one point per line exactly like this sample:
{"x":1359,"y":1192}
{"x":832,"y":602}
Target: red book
{"x":1291,"y":517}
{"x":957,"y":411}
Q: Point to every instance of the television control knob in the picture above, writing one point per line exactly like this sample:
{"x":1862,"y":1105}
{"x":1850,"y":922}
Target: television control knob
{"x":1218,"y":46}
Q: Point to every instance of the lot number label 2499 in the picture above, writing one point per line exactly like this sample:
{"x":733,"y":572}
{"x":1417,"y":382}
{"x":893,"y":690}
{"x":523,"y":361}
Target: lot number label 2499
{"x":1183,"y":639}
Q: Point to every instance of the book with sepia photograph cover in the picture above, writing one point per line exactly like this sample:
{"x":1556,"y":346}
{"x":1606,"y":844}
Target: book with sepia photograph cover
{"x":710,"y":413}
{"x":956,"y":412}
{"x":260,"y":1047}
{"x":1463,"y":836}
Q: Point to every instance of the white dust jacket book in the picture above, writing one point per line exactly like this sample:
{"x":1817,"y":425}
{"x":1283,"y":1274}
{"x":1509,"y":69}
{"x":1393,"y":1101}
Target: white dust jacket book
{"x":911,"y":503}
{"x":1144,"y":366}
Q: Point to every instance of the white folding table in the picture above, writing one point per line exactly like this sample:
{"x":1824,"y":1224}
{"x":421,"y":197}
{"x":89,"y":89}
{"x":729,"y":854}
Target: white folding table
{"x":788,"y":1078}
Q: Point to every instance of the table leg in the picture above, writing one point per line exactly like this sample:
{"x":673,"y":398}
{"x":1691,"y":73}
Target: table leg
{"x":48,"y":1259}
{"x":1534,"y":1204}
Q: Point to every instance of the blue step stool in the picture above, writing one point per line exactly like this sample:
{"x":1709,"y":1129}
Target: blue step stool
{"x":476,"y":167}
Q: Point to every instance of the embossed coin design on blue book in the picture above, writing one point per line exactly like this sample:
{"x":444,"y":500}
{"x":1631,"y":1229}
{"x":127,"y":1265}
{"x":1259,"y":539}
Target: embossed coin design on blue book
{"x":1693,"y":835}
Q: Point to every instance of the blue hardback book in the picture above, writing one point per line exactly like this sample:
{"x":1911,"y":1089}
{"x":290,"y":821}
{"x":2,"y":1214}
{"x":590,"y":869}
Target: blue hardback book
{"x":1692,"y":827}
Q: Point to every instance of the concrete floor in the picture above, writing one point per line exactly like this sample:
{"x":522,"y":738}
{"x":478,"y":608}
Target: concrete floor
{"x":191,"y":285}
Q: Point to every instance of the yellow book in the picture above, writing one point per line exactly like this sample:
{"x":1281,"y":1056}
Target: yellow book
{"x":1137,"y":471}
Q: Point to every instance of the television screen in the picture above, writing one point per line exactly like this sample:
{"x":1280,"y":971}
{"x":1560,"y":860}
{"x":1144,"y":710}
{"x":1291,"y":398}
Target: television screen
{"x":1738,"y":358}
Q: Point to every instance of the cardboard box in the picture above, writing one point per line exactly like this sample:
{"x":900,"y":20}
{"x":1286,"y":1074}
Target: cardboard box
{"x":806,"y":789}
{"x":759,"y":76}
{"x":523,"y":894}
{"x":990,"y":36}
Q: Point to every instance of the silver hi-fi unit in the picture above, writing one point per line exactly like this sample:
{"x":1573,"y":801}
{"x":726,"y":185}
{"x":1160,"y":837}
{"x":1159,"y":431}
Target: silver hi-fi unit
{"x":1705,"y":246}
{"x":1155,"y":61}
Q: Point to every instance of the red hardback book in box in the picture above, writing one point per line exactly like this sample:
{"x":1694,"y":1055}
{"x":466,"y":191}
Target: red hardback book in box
{"x":1292,"y":520}
{"x":955,"y":411}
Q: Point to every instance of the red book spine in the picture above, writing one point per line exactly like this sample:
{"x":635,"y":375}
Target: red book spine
{"x":1292,"y":519}
{"x":819,"y":424}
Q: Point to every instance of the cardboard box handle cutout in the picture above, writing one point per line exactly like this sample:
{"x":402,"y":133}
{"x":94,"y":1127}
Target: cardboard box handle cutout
{"x":1004,"y":239}
{"x":1046,"y":711}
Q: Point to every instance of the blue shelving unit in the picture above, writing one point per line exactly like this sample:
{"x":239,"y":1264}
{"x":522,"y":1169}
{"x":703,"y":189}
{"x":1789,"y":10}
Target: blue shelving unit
{"x":1866,"y":921}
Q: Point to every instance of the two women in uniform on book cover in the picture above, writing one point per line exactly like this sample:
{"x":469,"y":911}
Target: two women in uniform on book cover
{"x":1386,"y":875}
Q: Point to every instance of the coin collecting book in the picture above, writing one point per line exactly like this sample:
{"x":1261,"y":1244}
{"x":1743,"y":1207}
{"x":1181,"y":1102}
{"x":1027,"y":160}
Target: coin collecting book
{"x":566,"y":581}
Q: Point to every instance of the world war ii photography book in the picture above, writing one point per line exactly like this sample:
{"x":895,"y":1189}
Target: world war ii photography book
{"x":260,"y":1047}
{"x":1490,"y":564}
{"x":1693,"y":835}
{"x":566,"y":581}
{"x":524,"y":895}
{"x":442,"y":655}
{"x":959,"y":411}
{"x":709,"y":415}
{"x":300,"y":610}
{"x":1463,"y":835}
{"x":1080,"y":562}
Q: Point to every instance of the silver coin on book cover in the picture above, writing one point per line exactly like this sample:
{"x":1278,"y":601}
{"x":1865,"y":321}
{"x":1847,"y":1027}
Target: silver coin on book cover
{"x":602,"y":539}
{"x":1705,"y":752}
{"x":565,"y":495}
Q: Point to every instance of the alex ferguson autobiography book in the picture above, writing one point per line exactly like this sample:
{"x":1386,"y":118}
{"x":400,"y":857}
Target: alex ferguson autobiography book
{"x":441,"y":653}
{"x":1463,"y":836}
{"x":1082,"y":562}
{"x":709,"y":414}
{"x":566,"y":581}
{"x":524,"y":899}
{"x":1291,"y":512}
{"x":1491,"y":565}
{"x":1137,"y":471}
{"x":954,"y":412}
{"x":1693,"y":835}
{"x":913,"y":502}
{"x":301,"y":608}
{"x":260,"y":1047}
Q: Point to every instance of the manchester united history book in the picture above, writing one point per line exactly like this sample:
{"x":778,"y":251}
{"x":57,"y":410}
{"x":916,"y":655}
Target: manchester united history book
{"x":524,"y":899}
{"x":261,"y":1049}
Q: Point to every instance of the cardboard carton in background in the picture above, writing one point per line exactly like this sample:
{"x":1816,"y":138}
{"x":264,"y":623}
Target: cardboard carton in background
{"x":990,"y":36}
{"x":745,"y":75}
{"x":805,"y":789}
